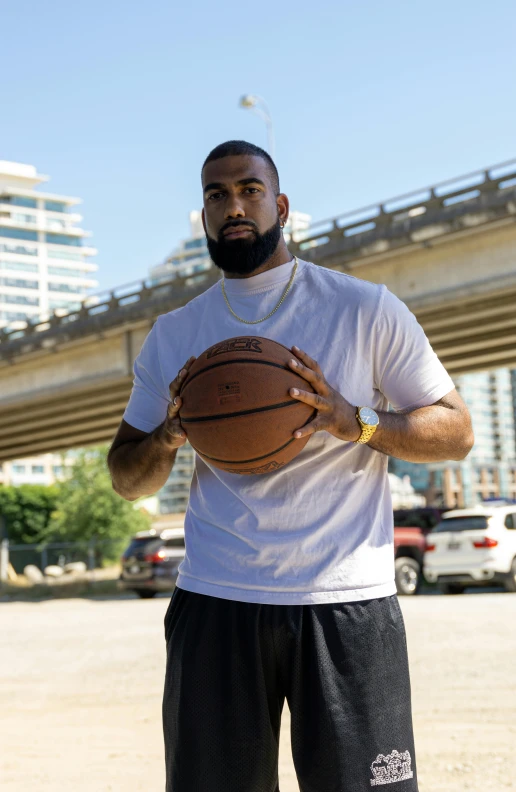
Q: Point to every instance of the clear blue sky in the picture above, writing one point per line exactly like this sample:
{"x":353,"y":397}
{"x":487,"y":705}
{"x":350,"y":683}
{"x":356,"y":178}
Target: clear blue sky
{"x":119,"y":102}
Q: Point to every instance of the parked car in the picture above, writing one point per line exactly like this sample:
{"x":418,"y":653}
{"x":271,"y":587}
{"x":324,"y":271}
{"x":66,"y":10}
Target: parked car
{"x":473,"y":547}
{"x":150,"y":562}
{"x":410,"y":529}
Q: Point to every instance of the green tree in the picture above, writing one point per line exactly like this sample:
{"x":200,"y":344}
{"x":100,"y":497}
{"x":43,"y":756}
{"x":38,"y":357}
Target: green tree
{"x":27,"y":510}
{"x":88,"y":509}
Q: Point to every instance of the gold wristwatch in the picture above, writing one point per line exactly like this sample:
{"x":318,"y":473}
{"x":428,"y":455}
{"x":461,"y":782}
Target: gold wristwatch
{"x":369,"y":421}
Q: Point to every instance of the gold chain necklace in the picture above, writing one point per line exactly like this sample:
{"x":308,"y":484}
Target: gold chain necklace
{"x":257,"y":321}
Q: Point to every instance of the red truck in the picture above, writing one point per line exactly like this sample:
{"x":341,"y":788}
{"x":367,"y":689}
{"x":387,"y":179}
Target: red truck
{"x":410,"y":529}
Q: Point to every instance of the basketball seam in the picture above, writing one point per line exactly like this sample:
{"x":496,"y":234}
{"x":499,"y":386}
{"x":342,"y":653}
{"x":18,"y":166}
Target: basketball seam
{"x":244,"y":461}
{"x":242,"y":412}
{"x":229,"y":363}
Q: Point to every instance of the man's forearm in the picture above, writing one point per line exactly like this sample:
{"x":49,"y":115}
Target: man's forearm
{"x":429,"y":434}
{"x":141,"y":467}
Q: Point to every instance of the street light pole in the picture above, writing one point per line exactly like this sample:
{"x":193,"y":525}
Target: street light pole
{"x":258,"y":104}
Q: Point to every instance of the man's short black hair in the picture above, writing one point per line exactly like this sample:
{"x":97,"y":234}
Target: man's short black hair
{"x":234,"y":148}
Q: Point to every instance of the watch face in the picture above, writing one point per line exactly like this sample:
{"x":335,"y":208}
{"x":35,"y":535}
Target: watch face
{"x":368,"y":416}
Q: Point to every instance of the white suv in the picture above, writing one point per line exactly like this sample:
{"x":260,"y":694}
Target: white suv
{"x":472,"y":547}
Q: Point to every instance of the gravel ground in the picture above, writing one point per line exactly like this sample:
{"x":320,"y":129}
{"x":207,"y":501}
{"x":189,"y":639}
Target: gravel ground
{"x":81,"y":683}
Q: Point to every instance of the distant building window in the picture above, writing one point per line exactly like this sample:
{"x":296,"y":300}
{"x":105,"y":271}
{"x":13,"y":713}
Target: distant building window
{"x":19,"y":283}
{"x":24,"y":218}
{"x":437,"y":478}
{"x":18,"y":233}
{"x":195,"y":243}
{"x":58,"y":470}
{"x":18,"y":299}
{"x":19,"y":200}
{"x":18,"y":468}
{"x":62,"y":239}
{"x":38,"y":469}
{"x":65,"y":254}
{"x":55,"y":225}
{"x":70,"y":306}
{"x":22,"y":250}
{"x":10,"y":316}
{"x":55,"y":206}
{"x":65,"y":287}
{"x":18,"y":266}
{"x":71,"y":273}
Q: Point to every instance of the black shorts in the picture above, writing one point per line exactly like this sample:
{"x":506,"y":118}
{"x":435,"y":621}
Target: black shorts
{"x":342,"y":668}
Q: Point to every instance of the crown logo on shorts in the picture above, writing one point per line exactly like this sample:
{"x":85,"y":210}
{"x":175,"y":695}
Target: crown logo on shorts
{"x":391,"y":768}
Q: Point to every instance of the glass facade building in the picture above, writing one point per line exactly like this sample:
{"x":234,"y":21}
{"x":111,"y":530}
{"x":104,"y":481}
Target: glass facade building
{"x":489,"y":470}
{"x":28,"y":242}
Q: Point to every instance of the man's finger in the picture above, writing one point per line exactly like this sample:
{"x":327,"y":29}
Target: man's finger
{"x":306,"y":359}
{"x":315,"y":379}
{"x":313,"y":399}
{"x":314,"y":426}
{"x":174,"y":407}
{"x":175,"y":385}
{"x":175,"y":429}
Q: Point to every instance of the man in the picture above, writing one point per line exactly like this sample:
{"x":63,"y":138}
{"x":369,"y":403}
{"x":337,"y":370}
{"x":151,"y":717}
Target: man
{"x":287,"y":587}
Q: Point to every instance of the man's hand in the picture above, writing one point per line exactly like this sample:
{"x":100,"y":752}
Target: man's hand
{"x":435,"y":433}
{"x":334,"y":413}
{"x":172,"y":433}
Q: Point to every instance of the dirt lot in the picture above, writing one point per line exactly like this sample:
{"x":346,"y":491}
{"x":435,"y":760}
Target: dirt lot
{"x":81,"y":682}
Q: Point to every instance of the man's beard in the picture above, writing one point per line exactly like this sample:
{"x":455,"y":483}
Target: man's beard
{"x":243,"y":256}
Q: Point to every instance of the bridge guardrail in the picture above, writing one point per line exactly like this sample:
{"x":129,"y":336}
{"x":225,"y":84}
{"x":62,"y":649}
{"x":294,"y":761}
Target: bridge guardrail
{"x":119,"y":299}
{"x":454,"y":196}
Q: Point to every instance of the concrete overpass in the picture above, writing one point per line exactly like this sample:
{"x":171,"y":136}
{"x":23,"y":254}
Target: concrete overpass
{"x":449,"y":252}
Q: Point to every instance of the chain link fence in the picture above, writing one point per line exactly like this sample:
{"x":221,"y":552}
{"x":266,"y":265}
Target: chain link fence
{"x":93,"y":554}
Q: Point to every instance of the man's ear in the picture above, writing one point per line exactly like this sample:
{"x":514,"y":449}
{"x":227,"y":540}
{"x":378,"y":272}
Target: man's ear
{"x":283,"y":205}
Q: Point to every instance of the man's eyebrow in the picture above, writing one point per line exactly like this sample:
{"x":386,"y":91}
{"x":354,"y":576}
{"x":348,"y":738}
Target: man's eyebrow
{"x":241,"y":182}
{"x":251,"y":180}
{"x":213,"y":186}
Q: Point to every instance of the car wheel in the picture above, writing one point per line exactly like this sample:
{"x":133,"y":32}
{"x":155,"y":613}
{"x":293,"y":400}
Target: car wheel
{"x":145,"y":593}
{"x":510,"y":581}
{"x":451,"y":588}
{"x":408,"y":576}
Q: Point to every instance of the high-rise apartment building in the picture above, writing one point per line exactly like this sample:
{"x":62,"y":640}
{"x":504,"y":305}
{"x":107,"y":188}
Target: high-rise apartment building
{"x":489,"y":471}
{"x":44,"y":267}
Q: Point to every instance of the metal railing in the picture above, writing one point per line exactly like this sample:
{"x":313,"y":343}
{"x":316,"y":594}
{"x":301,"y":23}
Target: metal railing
{"x":441,"y":196}
{"x":108,"y":299}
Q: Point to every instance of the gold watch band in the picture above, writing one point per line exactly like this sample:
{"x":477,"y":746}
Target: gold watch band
{"x":367,"y":431}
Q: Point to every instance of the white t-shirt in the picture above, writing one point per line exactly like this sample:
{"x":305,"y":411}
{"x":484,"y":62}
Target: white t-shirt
{"x":319,"y":529}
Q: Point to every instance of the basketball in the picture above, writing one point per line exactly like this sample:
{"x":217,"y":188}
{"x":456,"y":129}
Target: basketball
{"x":237,"y":411}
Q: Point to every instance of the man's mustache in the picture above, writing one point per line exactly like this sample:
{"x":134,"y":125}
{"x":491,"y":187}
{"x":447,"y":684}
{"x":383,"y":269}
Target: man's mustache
{"x":239,"y":224}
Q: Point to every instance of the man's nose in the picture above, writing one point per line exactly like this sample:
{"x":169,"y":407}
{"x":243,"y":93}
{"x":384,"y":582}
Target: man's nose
{"x":233,"y":208}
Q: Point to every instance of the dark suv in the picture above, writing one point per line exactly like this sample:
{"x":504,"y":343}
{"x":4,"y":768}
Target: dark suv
{"x":151,"y":561}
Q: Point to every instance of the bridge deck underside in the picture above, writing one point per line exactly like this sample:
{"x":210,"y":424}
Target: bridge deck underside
{"x":63,"y":421}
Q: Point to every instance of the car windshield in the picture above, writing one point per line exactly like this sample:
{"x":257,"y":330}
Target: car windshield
{"x":472,"y":522}
{"x":178,"y":542}
{"x":415,"y":518}
{"x":147,"y":544}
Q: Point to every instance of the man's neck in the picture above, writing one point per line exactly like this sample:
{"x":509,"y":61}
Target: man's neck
{"x":280,"y":256}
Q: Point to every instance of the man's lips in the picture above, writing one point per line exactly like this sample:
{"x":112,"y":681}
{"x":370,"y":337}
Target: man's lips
{"x":237,"y":231}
